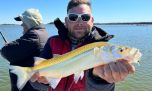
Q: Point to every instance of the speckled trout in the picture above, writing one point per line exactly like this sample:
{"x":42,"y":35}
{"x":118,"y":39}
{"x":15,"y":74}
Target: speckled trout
{"x":75,"y":62}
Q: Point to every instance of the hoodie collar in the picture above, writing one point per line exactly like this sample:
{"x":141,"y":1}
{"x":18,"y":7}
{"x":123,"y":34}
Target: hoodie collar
{"x":41,"y":26}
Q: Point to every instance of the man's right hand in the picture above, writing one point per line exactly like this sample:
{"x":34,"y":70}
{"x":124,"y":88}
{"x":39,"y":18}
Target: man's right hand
{"x":40,"y":79}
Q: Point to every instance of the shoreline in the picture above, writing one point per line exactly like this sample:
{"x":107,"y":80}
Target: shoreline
{"x":112,"y":23}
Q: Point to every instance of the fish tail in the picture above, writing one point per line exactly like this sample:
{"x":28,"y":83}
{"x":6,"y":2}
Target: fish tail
{"x":23,"y":75}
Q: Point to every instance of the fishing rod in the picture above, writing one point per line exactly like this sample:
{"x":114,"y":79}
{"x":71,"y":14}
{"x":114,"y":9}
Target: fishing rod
{"x":3,"y":37}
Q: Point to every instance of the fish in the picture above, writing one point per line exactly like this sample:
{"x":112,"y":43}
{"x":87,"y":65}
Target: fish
{"x":75,"y":62}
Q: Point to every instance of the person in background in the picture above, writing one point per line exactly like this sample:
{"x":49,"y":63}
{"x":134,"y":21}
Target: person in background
{"x":21,"y":51}
{"x":80,"y":31}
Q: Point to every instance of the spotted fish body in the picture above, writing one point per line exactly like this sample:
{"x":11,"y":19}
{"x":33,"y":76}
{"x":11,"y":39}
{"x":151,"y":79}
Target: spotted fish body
{"x":75,"y":62}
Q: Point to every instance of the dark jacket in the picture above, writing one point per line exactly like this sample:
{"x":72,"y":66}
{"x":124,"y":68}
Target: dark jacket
{"x":61,"y":44}
{"x":21,"y":52}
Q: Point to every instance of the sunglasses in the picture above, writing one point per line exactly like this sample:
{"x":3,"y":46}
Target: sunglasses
{"x":74,"y":17}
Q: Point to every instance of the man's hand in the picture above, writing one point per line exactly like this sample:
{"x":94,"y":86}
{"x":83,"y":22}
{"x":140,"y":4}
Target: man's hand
{"x":40,"y":79}
{"x":115,"y":71}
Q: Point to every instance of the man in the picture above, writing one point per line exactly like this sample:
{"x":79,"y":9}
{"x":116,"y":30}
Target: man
{"x":21,"y":51}
{"x":81,"y":31}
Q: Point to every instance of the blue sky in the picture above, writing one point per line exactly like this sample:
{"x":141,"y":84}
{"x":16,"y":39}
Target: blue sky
{"x":104,"y":11}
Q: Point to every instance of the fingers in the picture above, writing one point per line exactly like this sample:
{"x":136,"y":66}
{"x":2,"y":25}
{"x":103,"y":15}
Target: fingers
{"x":114,"y":72}
{"x":98,"y":71}
{"x":34,"y":77}
{"x":123,"y":71}
{"x":108,"y":74}
{"x":130,"y":67}
{"x":120,"y":70}
{"x":43,"y":80}
{"x":40,"y":79}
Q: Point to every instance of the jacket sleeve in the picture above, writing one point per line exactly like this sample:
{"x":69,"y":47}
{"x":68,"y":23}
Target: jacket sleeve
{"x":94,"y":83}
{"x":21,"y":48}
{"x":47,"y":51}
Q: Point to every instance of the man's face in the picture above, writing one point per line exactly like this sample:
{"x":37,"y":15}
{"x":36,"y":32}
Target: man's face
{"x":25,"y":28}
{"x":79,"y":26}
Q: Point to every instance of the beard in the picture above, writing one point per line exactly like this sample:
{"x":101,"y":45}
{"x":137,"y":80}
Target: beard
{"x":79,"y":34}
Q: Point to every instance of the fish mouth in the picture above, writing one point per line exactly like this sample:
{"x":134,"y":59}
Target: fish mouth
{"x":136,"y":56}
{"x":133,"y":51}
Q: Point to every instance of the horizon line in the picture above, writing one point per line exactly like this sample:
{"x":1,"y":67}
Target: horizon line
{"x":142,"y":22}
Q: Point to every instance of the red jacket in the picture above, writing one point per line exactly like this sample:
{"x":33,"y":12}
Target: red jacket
{"x":66,"y":84}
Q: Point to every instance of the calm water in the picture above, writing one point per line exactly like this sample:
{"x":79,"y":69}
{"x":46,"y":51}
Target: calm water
{"x":131,"y":35}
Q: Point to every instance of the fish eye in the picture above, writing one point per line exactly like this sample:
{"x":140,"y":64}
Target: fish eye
{"x":121,"y":50}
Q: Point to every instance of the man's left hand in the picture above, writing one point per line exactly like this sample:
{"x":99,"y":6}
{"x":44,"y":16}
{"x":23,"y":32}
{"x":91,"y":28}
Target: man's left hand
{"x":115,"y":71}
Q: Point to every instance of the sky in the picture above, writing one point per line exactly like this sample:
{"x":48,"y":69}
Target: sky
{"x":104,"y":11}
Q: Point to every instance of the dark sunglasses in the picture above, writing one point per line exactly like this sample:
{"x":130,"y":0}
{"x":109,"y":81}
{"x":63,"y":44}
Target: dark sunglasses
{"x":74,"y":17}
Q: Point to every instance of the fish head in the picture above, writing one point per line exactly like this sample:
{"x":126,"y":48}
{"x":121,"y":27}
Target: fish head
{"x":123,"y":52}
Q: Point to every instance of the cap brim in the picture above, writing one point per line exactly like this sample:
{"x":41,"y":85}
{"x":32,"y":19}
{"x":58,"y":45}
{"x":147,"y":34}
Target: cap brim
{"x":17,"y":18}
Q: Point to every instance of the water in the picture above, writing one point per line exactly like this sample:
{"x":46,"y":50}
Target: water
{"x":131,"y":35}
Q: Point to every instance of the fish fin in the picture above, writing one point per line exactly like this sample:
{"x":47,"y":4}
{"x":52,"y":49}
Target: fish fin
{"x":23,"y":75}
{"x":96,"y":51}
{"x":38,"y":60}
{"x":78,"y":75}
{"x":53,"y":81}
